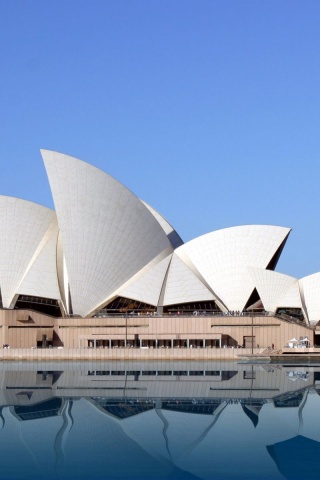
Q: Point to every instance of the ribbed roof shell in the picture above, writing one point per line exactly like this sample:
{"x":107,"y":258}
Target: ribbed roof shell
{"x":276,"y":289}
{"x":171,"y":233}
{"x":221,"y":258}
{"x":183,"y":286}
{"x":146,"y":286}
{"x":28,"y":236}
{"x":107,"y":233}
{"x":310,"y":293}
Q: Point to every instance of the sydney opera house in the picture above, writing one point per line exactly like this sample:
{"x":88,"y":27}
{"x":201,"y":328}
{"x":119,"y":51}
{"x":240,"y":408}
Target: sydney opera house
{"x":106,"y":270}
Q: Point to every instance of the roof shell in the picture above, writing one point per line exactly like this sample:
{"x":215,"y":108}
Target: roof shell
{"x":276,"y":289}
{"x":107,"y":233}
{"x":146,"y":286}
{"x":172,"y":235}
{"x":310,"y":293}
{"x":221,"y":258}
{"x":183,"y":286}
{"x":28,"y":233}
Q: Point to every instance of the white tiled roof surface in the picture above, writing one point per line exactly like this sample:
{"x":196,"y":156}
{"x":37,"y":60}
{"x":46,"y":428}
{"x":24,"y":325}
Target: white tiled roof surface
{"x":27,"y":236}
{"x":310,"y":292}
{"x":108,"y":234}
{"x":276,"y":289}
{"x":41,"y":279}
{"x":146,"y":288}
{"x":172,"y":235}
{"x":222,"y":258}
{"x":62,"y":276}
{"x":182,"y":285}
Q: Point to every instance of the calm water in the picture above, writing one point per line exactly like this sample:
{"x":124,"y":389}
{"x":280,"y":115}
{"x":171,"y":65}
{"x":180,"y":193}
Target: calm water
{"x":159,"y":420}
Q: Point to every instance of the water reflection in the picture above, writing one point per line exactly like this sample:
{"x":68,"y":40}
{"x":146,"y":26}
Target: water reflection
{"x":159,"y":420}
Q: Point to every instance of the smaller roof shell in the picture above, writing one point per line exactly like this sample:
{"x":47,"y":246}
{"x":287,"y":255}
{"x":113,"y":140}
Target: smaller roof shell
{"x":183,"y":286}
{"x":276,"y":289}
{"x":28,"y":235}
{"x":310,"y":293}
{"x":221,"y":258}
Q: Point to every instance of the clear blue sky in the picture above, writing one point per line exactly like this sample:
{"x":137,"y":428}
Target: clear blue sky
{"x":207,"y":110}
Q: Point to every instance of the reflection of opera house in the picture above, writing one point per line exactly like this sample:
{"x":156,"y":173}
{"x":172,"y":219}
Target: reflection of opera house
{"x":181,"y":415}
{"x":106,"y":270}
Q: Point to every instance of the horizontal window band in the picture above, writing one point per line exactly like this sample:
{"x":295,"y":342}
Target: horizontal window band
{"x":101,"y":388}
{"x":246,"y":325}
{"x":247,"y":389}
{"x":103,"y":326}
{"x":28,"y":388}
{"x":38,"y":327}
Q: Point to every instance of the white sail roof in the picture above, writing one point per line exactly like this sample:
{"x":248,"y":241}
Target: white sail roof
{"x":107,"y":233}
{"x":222,"y":258}
{"x":183,"y":286}
{"x":28,"y":233}
{"x":310,"y":293}
{"x":276,"y":289}
{"x":146,"y":286}
{"x":41,"y":280}
{"x":172,"y":235}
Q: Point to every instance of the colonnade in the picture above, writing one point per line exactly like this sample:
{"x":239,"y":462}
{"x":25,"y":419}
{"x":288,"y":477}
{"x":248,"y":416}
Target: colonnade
{"x":151,"y":343}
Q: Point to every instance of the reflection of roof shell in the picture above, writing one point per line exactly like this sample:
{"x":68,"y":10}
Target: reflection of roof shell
{"x":303,"y":453}
{"x":49,"y":408}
